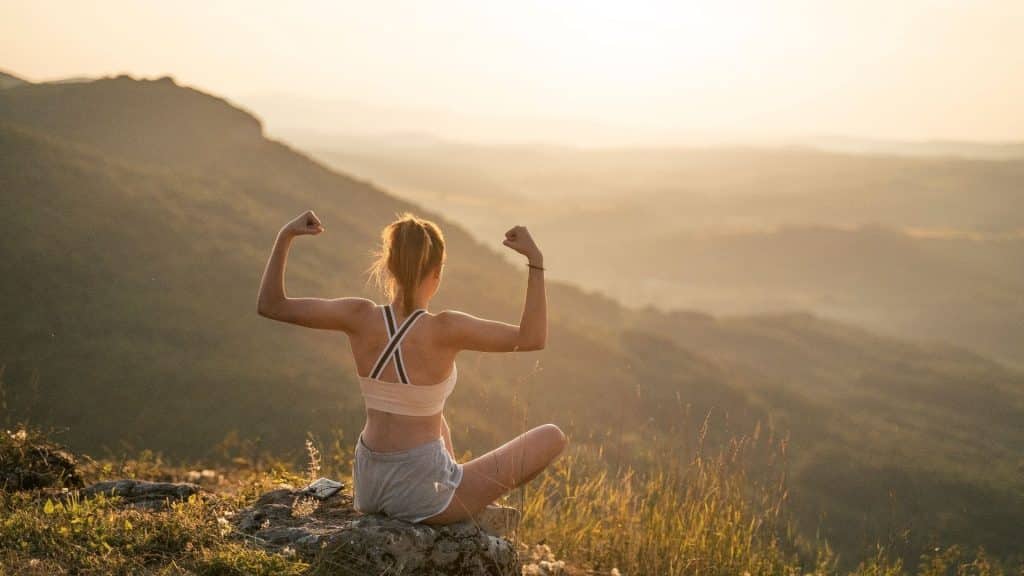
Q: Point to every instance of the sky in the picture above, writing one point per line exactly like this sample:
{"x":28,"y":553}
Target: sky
{"x":562,"y":70}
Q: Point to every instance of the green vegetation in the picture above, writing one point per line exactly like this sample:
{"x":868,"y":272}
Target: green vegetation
{"x":56,"y":531}
{"x":99,"y":536}
{"x":135,"y":219}
{"x":706,"y":516}
{"x":703,"y":517}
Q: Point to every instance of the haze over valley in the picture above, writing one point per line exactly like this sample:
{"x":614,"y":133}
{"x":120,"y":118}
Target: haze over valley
{"x":928,"y":245}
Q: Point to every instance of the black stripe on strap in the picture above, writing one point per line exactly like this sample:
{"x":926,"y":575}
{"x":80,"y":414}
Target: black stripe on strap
{"x":400,"y":366}
{"x":393,"y":343}
{"x":389,"y":316}
{"x":399,"y":363}
{"x":389,"y":327}
{"x":389,"y":320}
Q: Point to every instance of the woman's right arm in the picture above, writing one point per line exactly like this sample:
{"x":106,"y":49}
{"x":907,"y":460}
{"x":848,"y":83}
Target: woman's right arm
{"x":467,"y":332}
{"x":343,"y":314}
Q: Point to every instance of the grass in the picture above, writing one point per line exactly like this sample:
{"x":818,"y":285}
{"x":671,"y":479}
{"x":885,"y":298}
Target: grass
{"x":54,"y":531}
{"x":42,"y":535}
{"x":706,"y":516}
{"x":709,"y":515}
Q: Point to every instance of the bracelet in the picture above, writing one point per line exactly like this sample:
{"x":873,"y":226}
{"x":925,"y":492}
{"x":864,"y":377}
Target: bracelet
{"x":535,"y":267}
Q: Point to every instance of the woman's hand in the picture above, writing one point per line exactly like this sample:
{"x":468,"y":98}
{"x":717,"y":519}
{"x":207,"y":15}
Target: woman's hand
{"x":466,"y":332}
{"x":305,"y":223}
{"x":518,"y":238}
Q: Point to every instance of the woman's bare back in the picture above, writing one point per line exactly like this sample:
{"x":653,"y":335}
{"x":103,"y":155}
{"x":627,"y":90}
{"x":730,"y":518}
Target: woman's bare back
{"x":426,"y":363}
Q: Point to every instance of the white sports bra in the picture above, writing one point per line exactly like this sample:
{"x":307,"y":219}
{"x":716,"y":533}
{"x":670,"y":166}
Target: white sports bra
{"x":402,"y":397}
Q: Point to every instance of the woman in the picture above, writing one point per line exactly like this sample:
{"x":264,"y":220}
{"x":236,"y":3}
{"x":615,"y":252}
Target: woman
{"x":404,"y":462}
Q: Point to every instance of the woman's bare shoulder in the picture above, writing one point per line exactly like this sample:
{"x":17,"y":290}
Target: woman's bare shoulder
{"x":449,"y":315}
{"x":361,"y":310}
{"x":450,"y":319}
{"x":465,"y":331}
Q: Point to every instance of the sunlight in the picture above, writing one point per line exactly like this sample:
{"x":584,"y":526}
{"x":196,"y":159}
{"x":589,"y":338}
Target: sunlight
{"x":572,"y":71}
{"x":609,"y":55}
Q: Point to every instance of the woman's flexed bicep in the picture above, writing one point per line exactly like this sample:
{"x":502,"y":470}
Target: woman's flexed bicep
{"x":344,"y":314}
{"x":467,"y":332}
{"x":463,"y":331}
{"x":341,"y":314}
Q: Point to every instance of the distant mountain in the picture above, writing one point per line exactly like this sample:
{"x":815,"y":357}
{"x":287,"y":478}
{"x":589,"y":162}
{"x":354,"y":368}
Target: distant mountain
{"x":287,"y":114}
{"x":323,"y":121}
{"x":960,"y":289}
{"x":135,"y":220}
{"x":9,"y":80}
{"x":72,"y":80}
{"x":172,"y":129}
{"x":935,"y":148}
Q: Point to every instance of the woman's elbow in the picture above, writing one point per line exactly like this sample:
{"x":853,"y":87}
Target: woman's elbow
{"x":266,"y":310}
{"x":531,"y":345}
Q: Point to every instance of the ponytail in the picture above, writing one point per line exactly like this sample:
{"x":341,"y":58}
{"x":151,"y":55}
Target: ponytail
{"x":410,"y":248}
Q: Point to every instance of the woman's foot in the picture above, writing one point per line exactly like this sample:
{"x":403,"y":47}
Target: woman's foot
{"x":497,"y":520}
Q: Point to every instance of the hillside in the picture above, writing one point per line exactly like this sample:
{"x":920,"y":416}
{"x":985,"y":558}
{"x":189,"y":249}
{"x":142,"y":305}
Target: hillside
{"x":9,"y":80}
{"x":223,"y":208}
{"x":135,"y":220}
{"x":954,"y":288}
{"x":884,"y":434}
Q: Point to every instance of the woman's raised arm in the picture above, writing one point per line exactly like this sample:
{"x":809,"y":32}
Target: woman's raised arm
{"x":273,"y":302}
{"x":467,"y":332}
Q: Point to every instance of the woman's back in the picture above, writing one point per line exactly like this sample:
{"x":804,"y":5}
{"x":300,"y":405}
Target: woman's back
{"x":424,"y":360}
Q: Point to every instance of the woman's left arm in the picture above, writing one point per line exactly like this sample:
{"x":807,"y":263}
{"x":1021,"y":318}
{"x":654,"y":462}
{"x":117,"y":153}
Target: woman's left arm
{"x":327,"y":314}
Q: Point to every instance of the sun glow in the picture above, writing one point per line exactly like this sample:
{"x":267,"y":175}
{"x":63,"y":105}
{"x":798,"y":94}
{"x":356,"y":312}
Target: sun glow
{"x":919,"y":69}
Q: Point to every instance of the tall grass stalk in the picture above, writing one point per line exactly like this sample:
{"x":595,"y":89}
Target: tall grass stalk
{"x":705,"y":516}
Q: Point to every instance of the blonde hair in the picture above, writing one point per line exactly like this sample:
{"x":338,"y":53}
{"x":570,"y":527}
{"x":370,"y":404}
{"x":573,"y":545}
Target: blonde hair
{"x":410,"y":248}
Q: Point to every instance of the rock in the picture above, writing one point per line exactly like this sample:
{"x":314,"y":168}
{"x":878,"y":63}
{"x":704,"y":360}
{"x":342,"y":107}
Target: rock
{"x":29,"y":462}
{"x":540,"y":561}
{"x":205,"y":476}
{"x":143,"y":494}
{"x":331,"y":534}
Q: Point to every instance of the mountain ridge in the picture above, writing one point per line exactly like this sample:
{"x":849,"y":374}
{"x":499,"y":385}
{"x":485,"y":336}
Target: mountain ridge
{"x":8,"y":80}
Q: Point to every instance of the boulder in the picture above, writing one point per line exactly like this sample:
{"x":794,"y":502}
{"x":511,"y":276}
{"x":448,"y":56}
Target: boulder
{"x":28,"y":462}
{"x":331,"y":534}
{"x":143,"y":494}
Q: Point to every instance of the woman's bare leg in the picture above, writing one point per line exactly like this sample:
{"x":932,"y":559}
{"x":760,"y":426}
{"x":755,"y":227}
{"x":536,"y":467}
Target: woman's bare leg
{"x":489,"y":477}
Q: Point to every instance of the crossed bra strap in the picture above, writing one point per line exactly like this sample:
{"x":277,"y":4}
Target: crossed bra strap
{"x":393,"y":347}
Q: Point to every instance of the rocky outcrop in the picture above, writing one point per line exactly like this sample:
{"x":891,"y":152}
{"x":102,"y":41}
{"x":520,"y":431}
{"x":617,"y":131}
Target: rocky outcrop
{"x":143,"y":494}
{"x":325,"y":531}
{"x":332,"y":534}
{"x":28,"y":462}
{"x":540,"y":561}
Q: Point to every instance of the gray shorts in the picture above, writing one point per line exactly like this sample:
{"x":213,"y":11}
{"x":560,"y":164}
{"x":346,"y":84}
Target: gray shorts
{"x":410,"y":485}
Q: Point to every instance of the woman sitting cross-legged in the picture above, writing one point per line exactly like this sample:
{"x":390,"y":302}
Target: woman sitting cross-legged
{"x":405,"y":356}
